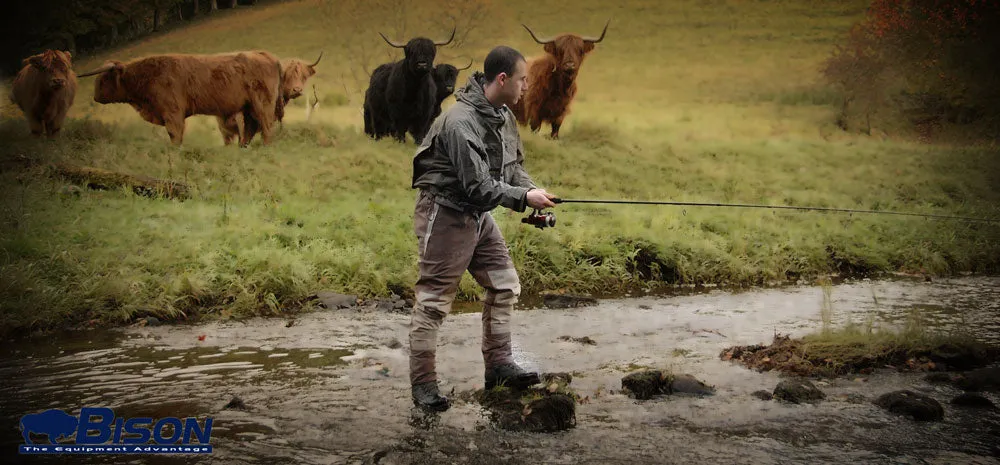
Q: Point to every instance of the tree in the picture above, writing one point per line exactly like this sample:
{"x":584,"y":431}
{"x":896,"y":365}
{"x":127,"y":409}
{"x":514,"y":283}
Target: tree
{"x":931,"y":59}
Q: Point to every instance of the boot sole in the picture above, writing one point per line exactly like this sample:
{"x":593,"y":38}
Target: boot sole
{"x":433,"y":407}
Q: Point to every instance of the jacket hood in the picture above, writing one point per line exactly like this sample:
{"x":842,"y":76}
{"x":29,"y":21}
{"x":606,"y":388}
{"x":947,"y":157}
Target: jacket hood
{"x":474,"y":95}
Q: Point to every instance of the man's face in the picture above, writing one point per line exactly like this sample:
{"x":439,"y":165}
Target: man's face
{"x":516,"y":85}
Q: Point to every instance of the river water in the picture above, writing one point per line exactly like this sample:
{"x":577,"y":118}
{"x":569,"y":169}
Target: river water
{"x":333,"y":388}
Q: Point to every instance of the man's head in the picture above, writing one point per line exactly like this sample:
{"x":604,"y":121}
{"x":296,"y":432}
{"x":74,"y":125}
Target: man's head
{"x":506,"y":73}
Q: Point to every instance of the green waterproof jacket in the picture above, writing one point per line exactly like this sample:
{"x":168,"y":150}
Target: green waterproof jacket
{"x":472,"y":157}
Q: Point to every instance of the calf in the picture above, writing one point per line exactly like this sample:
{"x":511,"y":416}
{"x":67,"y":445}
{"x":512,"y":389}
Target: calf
{"x":445,"y":76}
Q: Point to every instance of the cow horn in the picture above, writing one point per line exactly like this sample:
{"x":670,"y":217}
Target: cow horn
{"x":594,"y":41}
{"x":440,"y":44}
{"x":391,"y":42}
{"x":100,"y":70}
{"x":317,"y":60}
{"x":467,"y":66}
{"x":543,"y":42}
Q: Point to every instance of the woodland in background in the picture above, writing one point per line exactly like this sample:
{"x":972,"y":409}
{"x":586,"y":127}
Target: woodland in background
{"x":88,"y":26}
{"x":924,"y":62}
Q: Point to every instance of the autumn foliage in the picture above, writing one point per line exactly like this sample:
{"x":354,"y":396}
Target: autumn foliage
{"x":930,"y":61}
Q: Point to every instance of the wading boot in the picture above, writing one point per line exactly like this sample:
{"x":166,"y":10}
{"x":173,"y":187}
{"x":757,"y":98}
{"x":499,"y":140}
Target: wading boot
{"x":510,"y":375}
{"x":427,"y":396}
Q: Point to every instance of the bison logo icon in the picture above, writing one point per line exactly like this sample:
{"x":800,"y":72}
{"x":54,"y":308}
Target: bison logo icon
{"x":55,"y":423}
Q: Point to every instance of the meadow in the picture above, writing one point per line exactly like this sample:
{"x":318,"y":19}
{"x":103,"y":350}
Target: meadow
{"x":699,"y":101}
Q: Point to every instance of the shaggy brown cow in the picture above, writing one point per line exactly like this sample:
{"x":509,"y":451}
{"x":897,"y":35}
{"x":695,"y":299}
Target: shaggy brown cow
{"x":296,"y":73}
{"x":552,"y":80}
{"x":166,"y":89}
{"x":44,"y":90}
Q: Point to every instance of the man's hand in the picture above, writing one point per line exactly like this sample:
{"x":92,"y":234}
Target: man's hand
{"x":538,"y":198}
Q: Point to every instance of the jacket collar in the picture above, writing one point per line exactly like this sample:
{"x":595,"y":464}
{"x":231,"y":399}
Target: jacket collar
{"x":474,"y":95}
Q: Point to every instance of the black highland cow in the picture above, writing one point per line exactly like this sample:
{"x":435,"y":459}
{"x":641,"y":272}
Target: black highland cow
{"x":401,"y":95}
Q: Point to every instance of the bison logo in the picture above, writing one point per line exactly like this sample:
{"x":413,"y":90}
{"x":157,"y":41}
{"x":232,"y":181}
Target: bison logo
{"x":54,"y":422}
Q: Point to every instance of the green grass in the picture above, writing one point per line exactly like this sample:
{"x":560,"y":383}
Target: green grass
{"x":699,"y":101}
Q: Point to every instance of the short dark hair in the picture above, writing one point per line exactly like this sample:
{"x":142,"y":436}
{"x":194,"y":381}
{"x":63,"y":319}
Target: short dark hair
{"x":502,"y":59}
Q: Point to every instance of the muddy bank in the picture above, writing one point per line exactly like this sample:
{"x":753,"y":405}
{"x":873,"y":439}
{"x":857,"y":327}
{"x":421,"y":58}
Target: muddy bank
{"x":830,"y":357}
{"x":333,"y":387}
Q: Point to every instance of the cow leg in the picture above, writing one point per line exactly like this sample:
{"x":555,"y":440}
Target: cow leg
{"x":536,"y":124}
{"x":400,"y":135}
{"x":175,"y":128}
{"x":369,"y":124}
{"x":263,"y":116}
{"x":55,"y":123}
{"x":52,"y":128}
{"x":249,"y":129}
{"x":418,"y":131}
{"x":36,"y":126}
{"x":556,"y":124}
{"x":266,"y":128}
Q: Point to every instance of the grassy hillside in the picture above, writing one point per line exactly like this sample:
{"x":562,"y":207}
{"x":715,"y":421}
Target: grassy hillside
{"x":696,"y":101}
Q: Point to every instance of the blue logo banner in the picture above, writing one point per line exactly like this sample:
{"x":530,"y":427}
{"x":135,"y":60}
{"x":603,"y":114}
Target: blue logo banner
{"x":96,"y":430}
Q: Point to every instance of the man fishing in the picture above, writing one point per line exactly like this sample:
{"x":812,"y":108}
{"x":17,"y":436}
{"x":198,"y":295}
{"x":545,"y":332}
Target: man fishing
{"x":471,"y":162}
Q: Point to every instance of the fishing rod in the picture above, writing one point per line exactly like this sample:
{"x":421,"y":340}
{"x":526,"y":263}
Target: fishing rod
{"x":542,"y":220}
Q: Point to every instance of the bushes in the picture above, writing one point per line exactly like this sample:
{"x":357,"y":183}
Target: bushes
{"x":931,"y":61}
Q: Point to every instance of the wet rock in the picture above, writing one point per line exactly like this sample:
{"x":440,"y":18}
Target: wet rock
{"x":555,"y":412}
{"x":798,"y":391}
{"x":547,"y":409}
{"x":646,"y":384}
{"x":582,"y":340}
{"x":962,"y":357}
{"x":688,"y":384}
{"x":762,"y":395}
{"x":983,"y":379}
{"x":567,"y":300}
{"x":394,"y":344}
{"x":236,"y":404}
{"x":152,"y":321}
{"x":333,"y":300}
{"x":973,"y":400}
{"x":918,"y":406}
{"x":385,"y":305}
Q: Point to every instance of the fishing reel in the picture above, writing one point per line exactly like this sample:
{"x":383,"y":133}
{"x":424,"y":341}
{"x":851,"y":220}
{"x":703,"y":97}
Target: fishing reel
{"x":540,"y":220}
